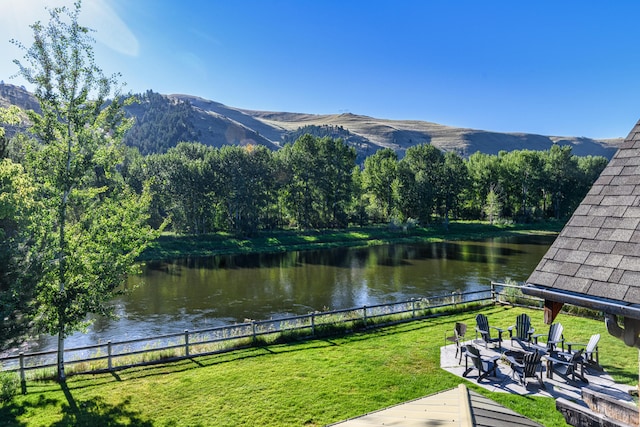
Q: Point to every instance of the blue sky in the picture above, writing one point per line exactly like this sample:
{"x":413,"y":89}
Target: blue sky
{"x":565,"y":68}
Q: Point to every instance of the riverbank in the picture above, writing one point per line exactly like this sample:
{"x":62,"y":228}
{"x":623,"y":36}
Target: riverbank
{"x":170,"y":246}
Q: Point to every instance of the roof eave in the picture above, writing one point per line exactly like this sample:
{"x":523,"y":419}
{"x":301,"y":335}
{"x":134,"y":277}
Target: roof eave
{"x":618,"y":308}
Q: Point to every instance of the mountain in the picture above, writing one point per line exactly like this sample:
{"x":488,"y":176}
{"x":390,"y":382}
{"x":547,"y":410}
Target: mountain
{"x":164,"y":120}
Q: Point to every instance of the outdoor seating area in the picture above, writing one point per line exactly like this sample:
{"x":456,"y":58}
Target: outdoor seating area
{"x":517,"y":360}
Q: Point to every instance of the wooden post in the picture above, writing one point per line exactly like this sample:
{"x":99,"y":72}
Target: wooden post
{"x":364,"y":315}
{"x":23,"y":381}
{"x":186,"y":342}
{"x":109,"y":353}
{"x":313,"y":324}
{"x":413,"y":307}
{"x":551,"y":310}
{"x":253,"y":329}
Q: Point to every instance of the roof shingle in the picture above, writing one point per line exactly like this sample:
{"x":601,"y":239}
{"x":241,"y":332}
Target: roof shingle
{"x":597,"y":254}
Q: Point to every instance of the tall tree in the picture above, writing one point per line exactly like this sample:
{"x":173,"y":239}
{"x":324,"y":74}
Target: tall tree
{"x":420,"y":174}
{"x":92,"y":226}
{"x":379,"y":180}
{"x":246,"y":186}
{"x":561,"y":169}
{"x":453,"y":179}
{"x":319,"y":180}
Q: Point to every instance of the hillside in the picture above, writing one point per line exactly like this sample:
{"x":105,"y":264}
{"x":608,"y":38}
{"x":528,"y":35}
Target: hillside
{"x":163,"y":121}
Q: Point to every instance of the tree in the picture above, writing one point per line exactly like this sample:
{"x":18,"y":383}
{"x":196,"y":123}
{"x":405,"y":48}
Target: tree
{"x":379,"y":180}
{"x":91,"y":226}
{"x":19,"y":262}
{"x":247,"y":186}
{"x":492,"y":207}
{"x":420,"y":178}
{"x":562,"y":175}
{"x":319,"y":183}
{"x":9,"y":116}
{"x":453,"y":179}
{"x":484,"y":174}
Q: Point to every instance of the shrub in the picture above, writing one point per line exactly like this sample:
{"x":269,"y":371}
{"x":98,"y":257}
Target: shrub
{"x":9,"y":384}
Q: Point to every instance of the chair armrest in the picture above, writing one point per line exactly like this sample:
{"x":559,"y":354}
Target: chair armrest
{"x":513,"y":361}
{"x":536,"y":336}
{"x":575,"y":344}
{"x":560,"y":360}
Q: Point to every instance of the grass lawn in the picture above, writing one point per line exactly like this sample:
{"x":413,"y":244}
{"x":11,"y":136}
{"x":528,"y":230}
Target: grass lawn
{"x":309,"y":383}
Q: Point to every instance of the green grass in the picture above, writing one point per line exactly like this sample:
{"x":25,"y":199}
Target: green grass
{"x":308,"y":383}
{"x":170,"y":246}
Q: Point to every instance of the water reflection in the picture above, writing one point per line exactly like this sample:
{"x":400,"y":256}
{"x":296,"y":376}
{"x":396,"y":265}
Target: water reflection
{"x":199,"y":293}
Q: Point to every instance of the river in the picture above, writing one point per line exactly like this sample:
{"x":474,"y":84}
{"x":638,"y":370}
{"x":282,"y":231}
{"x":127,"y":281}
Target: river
{"x":169,"y":297}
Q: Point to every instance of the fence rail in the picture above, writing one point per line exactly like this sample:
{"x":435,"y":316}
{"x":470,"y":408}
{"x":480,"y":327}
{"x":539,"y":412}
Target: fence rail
{"x":111,"y":356}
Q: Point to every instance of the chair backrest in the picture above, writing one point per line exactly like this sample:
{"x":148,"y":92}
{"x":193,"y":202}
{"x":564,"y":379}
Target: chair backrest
{"x":483,"y":324}
{"x":593,"y":343}
{"x":460,"y":329}
{"x":474,"y":353}
{"x":555,"y":331}
{"x":523,"y":325}
{"x":531,"y":362}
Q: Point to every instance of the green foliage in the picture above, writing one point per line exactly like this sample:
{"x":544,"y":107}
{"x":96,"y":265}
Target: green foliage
{"x":9,"y":386}
{"x":331,"y":132}
{"x":8,"y":116}
{"x":314,"y":183}
{"x":318,"y":185}
{"x":19,"y":261}
{"x":379,"y":181}
{"x":160,"y":123}
{"x":493,"y":207}
{"x":90,"y":227}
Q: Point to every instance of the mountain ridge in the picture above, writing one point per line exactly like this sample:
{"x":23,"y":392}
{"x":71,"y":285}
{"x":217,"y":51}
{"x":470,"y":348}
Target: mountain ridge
{"x":216,"y":124}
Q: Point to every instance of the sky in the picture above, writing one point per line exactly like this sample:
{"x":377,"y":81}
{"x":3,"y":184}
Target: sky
{"x":558,"y":68}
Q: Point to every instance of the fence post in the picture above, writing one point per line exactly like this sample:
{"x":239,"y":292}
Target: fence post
{"x":364,"y":315}
{"x":413,"y":307}
{"x":493,"y":293}
{"x":186,"y":342}
{"x":253,"y":331}
{"x":109,"y":353}
{"x":23,"y":381}
{"x":313,"y":324}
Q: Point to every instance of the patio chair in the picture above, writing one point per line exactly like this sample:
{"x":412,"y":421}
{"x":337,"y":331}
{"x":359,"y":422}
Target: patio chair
{"x":554,"y":337}
{"x":458,"y":337}
{"x":486,"y":366}
{"x":524,"y":331}
{"x":590,"y":351}
{"x":530,"y":366}
{"x":566,"y":364}
{"x":483,"y":328}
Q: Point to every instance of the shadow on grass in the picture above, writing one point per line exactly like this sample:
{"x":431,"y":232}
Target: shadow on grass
{"x":90,"y":412}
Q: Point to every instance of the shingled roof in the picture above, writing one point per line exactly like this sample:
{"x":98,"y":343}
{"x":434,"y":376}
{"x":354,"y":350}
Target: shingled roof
{"x":595,"y":260}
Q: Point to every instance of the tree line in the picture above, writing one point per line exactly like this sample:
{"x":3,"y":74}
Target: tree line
{"x":315,"y":182}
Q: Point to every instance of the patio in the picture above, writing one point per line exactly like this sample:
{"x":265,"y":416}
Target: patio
{"x":463,"y":407}
{"x":558,"y":387}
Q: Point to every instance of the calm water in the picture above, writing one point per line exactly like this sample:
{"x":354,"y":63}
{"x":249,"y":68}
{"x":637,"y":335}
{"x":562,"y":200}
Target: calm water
{"x":206,"y":292}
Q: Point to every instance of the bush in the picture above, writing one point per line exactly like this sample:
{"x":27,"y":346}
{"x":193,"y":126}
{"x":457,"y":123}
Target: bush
{"x":9,"y":384}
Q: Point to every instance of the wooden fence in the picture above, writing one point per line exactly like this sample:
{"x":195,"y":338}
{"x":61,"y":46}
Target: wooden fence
{"x":111,"y":356}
